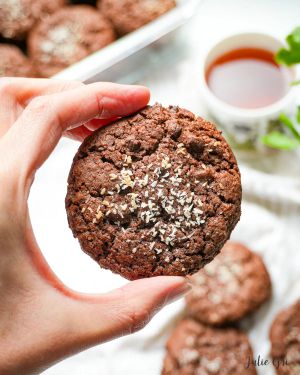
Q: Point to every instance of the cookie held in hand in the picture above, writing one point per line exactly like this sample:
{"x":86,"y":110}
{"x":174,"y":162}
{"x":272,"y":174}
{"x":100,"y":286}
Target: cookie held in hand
{"x":155,"y":193}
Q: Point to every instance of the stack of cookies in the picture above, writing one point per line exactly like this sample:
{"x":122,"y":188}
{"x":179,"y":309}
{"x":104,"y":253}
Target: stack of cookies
{"x":41,"y":37}
{"x":207,"y":341}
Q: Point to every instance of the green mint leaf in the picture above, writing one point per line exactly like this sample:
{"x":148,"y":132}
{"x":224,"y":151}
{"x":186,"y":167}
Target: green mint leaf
{"x":298,"y":115}
{"x":290,"y":55}
{"x":287,"y":57}
{"x":287,"y":122}
{"x":293,"y":39}
{"x":295,"y":83}
{"x":279,"y":141}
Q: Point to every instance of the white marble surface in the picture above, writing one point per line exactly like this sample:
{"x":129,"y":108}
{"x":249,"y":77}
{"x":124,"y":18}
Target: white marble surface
{"x":271,"y":207}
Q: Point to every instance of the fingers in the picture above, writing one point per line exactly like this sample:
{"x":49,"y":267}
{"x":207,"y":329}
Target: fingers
{"x":133,"y":306}
{"x":63,"y":325}
{"x":78,"y":134}
{"x":81,"y":132}
{"x":96,"y":123}
{"x":15,"y":93}
{"x":24,"y":89}
{"x":125,"y":310}
{"x":37,"y":131}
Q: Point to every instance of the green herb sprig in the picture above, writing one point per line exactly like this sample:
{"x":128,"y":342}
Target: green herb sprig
{"x":291,"y":55}
{"x":277,"y":139}
{"x":282,"y":141}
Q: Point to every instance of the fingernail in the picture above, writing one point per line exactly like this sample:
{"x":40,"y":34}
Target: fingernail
{"x":189,"y":281}
{"x":178,"y":293}
{"x":139,"y":90}
{"x":137,"y":87}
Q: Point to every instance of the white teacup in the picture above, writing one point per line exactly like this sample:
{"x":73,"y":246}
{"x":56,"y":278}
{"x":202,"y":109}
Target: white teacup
{"x":245,"y":126}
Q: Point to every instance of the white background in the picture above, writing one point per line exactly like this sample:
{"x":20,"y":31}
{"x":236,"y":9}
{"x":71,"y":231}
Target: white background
{"x":269,"y":224}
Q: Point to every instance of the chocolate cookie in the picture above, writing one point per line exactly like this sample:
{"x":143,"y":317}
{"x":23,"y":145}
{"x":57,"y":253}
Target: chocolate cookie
{"x":285,"y":340}
{"x":196,"y":349}
{"x":17,"y":17}
{"x":68,"y":36}
{"x":130,"y":15}
{"x":156,"y":193}
{"x":14,"y":63}
{"x":233,"y":285}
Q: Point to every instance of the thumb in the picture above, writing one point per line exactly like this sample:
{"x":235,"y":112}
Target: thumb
{"x":67,"y":323}
{"x":125,"y":310}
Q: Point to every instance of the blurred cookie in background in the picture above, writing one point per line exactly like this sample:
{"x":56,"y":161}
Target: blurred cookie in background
{"x":196,"y":349}
{"x":233,"y":285}
{"x":68,"y":36}
{"x":285,"y":341}
{"x":14,"y":63}
{"x":130,"y":15}
{"x":17,"y":17}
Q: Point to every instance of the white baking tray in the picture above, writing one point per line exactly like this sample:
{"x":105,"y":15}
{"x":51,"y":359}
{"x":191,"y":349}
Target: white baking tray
{"x":127,"y":59}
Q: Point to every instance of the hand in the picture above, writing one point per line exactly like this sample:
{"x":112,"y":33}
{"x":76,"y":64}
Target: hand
{"x":41,"y":320}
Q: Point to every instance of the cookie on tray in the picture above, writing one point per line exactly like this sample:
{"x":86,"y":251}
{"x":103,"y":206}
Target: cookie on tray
{"x":285,"y":341}
{"x":156,"y":193}
{"x":233,"y":285}
{"x":196,"y":349}
{"x":130,"y":15}
{"x":68,"y":36}
{"x":14,"y":63}
{"x":17,"y":17}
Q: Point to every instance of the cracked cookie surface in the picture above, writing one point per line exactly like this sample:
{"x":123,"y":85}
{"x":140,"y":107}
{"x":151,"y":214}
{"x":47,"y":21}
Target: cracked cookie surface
{"x":233,"y":285}
{"x":196,"y":349}
{"x":156,"y":193}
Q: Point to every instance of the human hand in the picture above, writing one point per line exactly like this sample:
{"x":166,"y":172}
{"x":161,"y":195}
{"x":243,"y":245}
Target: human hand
{"x":41,"y":320}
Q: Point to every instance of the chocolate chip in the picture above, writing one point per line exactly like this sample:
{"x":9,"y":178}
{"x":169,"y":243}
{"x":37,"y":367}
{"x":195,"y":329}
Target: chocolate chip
{"x":174,"y":129}
{"x":195,"y":146}
{"x":133,"y":144}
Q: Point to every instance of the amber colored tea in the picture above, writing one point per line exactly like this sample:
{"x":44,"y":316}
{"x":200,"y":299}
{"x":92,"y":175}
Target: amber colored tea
{"x":247,"y":78}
